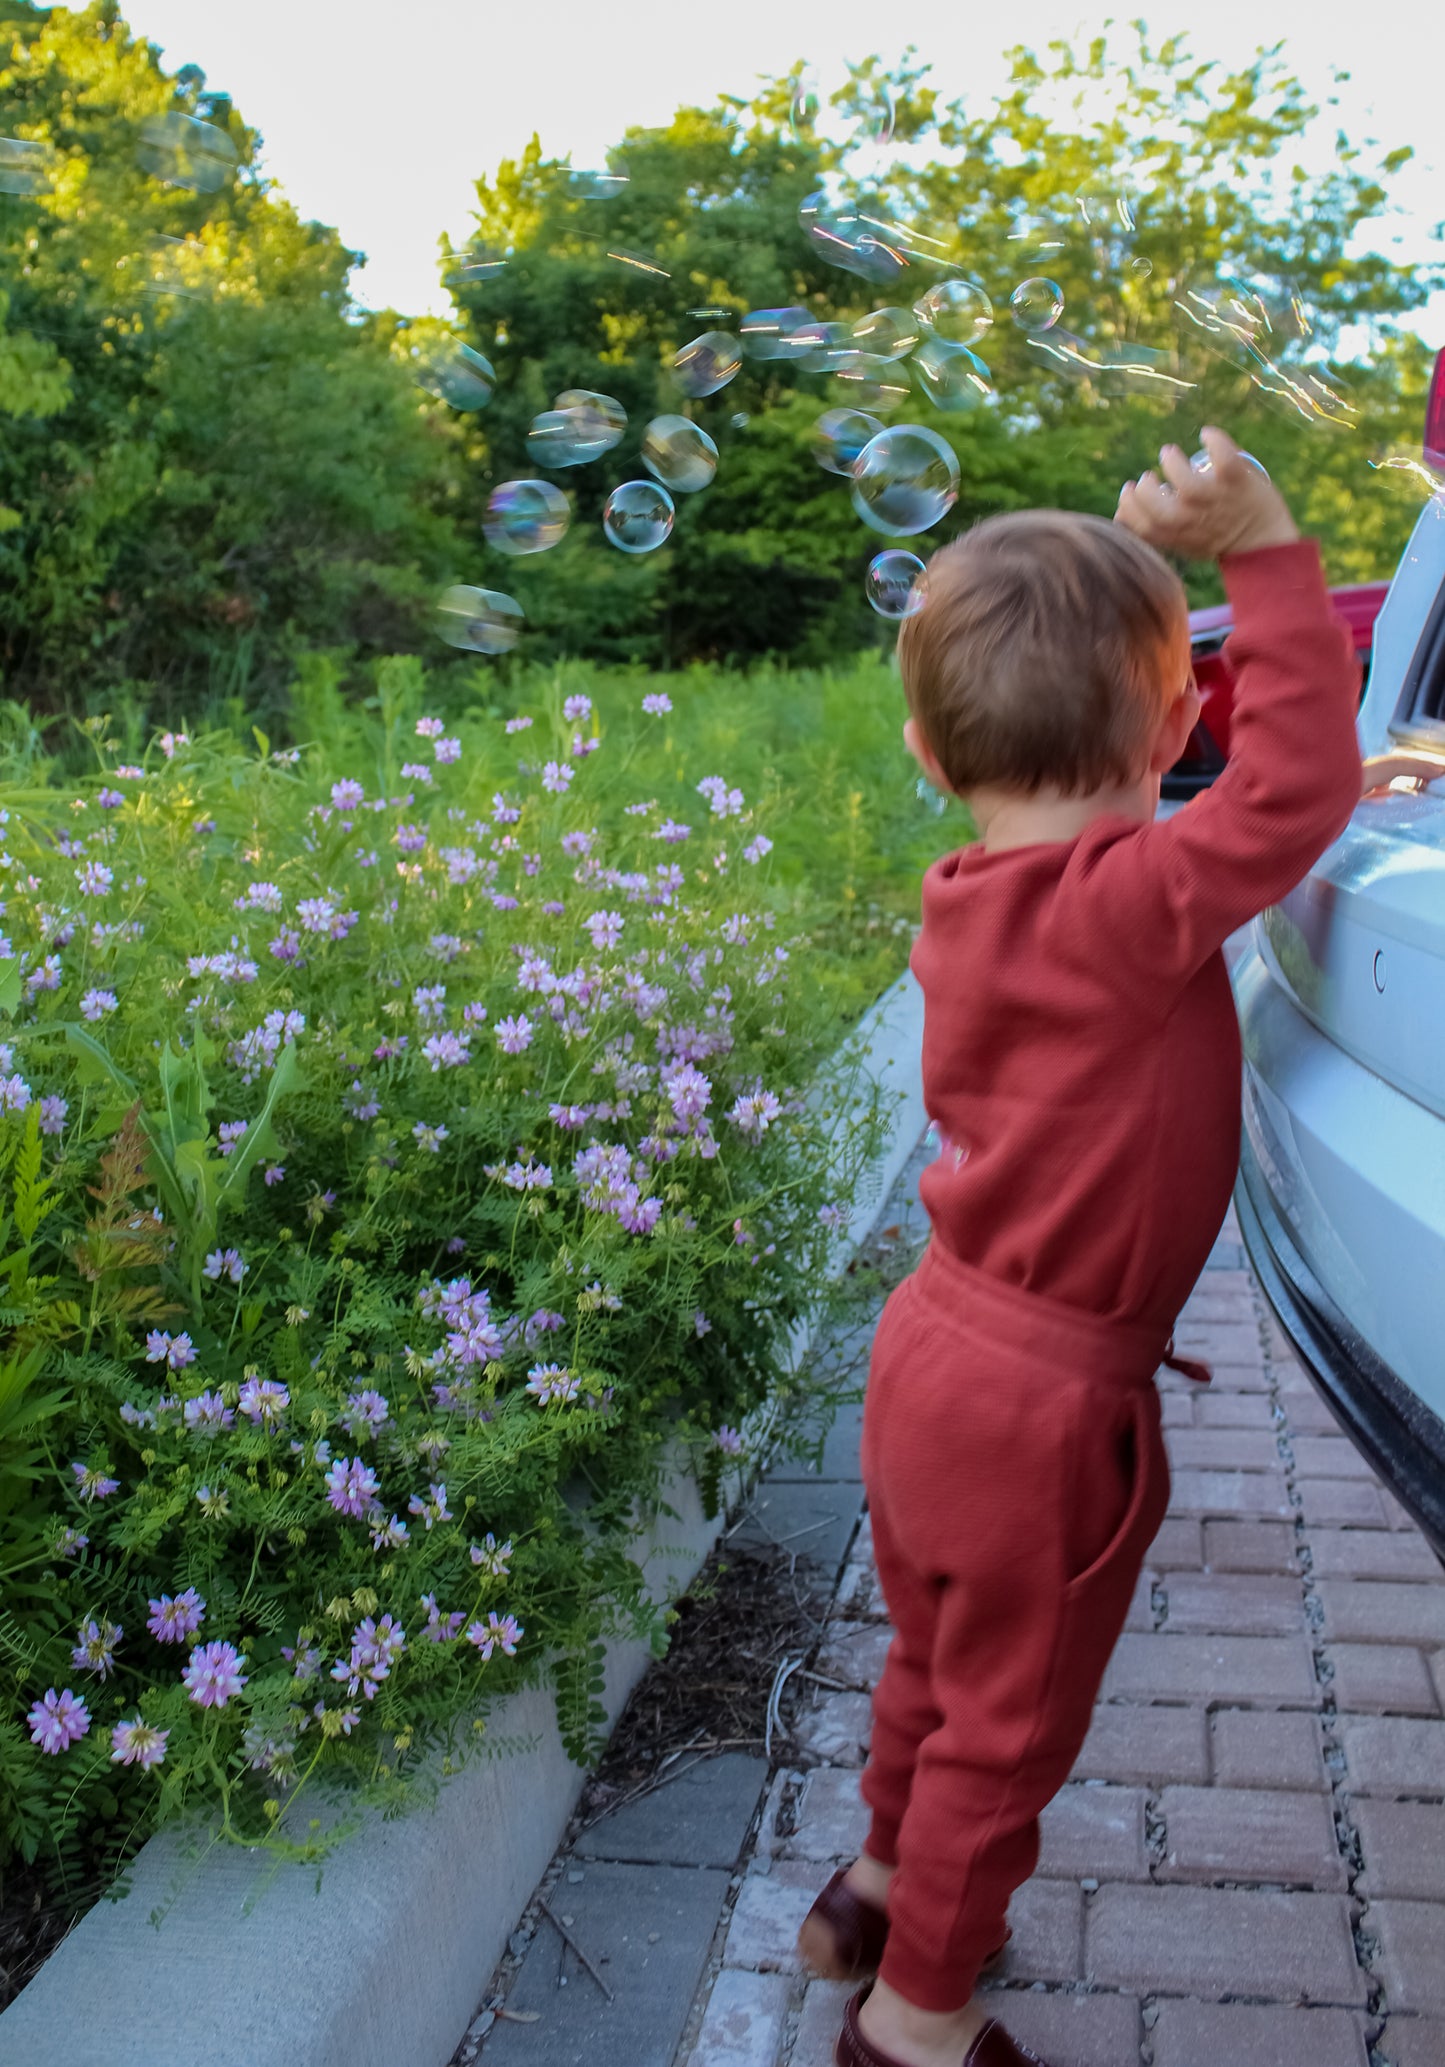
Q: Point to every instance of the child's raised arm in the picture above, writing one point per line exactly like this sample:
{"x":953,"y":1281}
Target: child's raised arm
{"x":1293,"y":775}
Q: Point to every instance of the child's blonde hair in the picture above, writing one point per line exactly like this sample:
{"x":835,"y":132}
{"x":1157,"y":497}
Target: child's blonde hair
{"x":1049,"y":646}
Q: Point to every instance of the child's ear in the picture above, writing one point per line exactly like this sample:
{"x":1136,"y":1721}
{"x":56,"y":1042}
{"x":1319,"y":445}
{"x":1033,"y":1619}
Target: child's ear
{"x":918,"y":746}
{"x":1173,"y":734}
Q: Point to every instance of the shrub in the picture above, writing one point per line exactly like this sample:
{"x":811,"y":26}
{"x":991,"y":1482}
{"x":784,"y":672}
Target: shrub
{"x":403,"y":1154}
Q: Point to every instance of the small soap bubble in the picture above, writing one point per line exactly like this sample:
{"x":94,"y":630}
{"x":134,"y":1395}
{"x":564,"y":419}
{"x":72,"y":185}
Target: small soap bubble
{"x":839,"y":436}
{"x":597,"y":423}
{"x":952,"y":377}
{"x":1203,"y":464}
{"x":892,"y":333}
{"x":637,"y":517}
{"x":525,"y":517}
{"x":739,"y":420}
{"x":1037,"y":304}
{"x":891,"y":584}
{"x":454,"y":373}
{"x":1142,"y":267}
{"x":932,"y":800}
{"x":803,"y":110}
{"x":25,"y":166}
{"x":679,"y":454}
{"x":956,"y":310}
{"x":475,"y":266}
{"x":904,"y":480}
{"x":478,"y":620}
{"x":707,"y":364}
{"x":595,"y":186}
{"x":174,"y":265}
{"x":768,"y":333}
{"x":870,"y":381}
{"x":186,"y":152}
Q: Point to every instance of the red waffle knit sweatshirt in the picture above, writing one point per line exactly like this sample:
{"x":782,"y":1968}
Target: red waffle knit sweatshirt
{"x":1081,"y":1055}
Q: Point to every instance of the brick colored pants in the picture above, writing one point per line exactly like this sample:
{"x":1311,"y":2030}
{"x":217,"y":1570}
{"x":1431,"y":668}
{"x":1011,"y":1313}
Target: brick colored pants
{"x":1016,"y":1476}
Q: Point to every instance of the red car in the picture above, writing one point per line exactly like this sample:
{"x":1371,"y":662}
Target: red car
{"x":1208,"y":745}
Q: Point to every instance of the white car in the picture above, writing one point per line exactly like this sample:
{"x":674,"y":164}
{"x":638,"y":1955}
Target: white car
{"x":1341,"y":997}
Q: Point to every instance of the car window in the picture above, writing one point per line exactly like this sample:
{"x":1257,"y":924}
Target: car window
{"x":1422,"y":695}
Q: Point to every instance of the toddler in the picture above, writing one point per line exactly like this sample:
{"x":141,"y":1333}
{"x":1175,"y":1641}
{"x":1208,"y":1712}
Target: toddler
{"x":1081,"y":1065}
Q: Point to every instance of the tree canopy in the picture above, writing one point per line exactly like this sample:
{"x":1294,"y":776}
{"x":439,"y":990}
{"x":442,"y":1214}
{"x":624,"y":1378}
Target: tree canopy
{"x":211,"y":461}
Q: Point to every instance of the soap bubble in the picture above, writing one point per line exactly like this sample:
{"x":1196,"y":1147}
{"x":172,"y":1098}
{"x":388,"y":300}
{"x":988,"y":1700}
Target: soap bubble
{"x":819,"y":347}
{"x":956,"y":310}
{"x":478,"y":620}
{"x":25,"y":166}
{"x":474,"y":266}
{"x":952,"y":377}
{"x":638,"y":262}
{"x":637,"y":517}
{"x":174,"y":265}
{"x":1037,"y":304}
{"x":679,"y":454}
{"x":1203,"y":464}
{"x":870,"y":381}
{"x":1143,"y":267}
{"x":839,"y":436}
{"x":890,"y":584}
{"x":595,"y":186}
{"x":525,"y":517}
{"x":1103,"y":204}
{"x":739,"y":420}
{"x":932,"y":799}
{"x":768,"y":333}
{"x":186,"y":152}
{"x":707,"y":364}
{"x":803,"y":112}
{"x":904,"y":480}
{"x":597,"y":421}
{"x":892,"y":333}
{"x":454,"y":373}
{"x":854,"y":236}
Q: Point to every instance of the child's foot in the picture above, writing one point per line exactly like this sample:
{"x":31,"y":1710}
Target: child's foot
{"x":846,"y":1929}
{"x":882,"y":2029}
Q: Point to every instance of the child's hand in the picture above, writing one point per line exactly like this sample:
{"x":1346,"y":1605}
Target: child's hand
{"x":1232,"y":507}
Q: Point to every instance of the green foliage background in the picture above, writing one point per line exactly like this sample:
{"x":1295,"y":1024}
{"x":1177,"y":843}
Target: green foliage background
{"x":212,"y":463}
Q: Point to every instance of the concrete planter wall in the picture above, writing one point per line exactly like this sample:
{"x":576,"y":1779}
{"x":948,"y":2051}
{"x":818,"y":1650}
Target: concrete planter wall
{"x":382,"y":1966}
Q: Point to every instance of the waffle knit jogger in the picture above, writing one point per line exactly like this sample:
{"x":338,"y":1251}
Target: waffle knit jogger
{"x":1081,"y":1064}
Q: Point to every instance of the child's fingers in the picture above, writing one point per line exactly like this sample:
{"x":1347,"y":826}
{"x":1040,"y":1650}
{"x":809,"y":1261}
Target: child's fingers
{"x":1174,"y":461}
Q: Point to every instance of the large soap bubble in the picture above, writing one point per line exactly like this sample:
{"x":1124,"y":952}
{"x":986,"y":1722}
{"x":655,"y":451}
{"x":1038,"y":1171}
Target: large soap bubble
{"x":1203,"y":464}
{"x":892,"y":333}
{"x":525,"y":517}
{"x":952,"y":377}
{"x":478,"y":620}
{"x":637,"y":517}
{"x":707,"y":364}
{"x":1037,"y":304}
{"x":891,"y":584}
{"x":25,"y":166}
{"x":853,"y":236}
{"x":839,"y":436}
{"x":681,"y":456}
{"x":819,"y":347}
{"x":769,"y":333}
{"x":454,"y":373}
{"x":957,"y":310}
{"x":186,"y":152}
{"x":904,"y":480}
{"x":869,"y":381}
{"x":579,"y":428}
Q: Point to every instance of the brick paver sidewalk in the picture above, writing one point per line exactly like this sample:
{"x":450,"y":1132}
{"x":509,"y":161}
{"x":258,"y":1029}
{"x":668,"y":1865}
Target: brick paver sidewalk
{"x":1248,"y":1866}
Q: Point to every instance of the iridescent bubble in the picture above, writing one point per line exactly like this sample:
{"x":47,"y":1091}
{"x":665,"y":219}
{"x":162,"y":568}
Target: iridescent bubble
{"x":890,"y":584}
{"x":679,"y":454}
{"x":474,"y":266}
{"x":454,"y":373}
{"x":1037,"y":304}
{"x":25,"y":166}
{"x":186,"y":152}
{"x":478,"y":620}
{"x":932,"y":799}
{"x":1203,"y":464}
{"x":871,"y":382}
{"x":599,"y":422}
{"x":1104,"y":204}
{"x":595,"y":186}
{"x":739,"y":420}
{"x":640,"y":262}
{"x":853,"y":236}
{"x":803,"y":112}
{"x":819,"y":347}
{"x":952,"y":377}
{"x":839,"y":436}
{"x":768,"y":333}
{"x":637,"y":517}
{"x":956,"y":310}
{"x":707,"y":364}
{"x":904,"y":480}
{"x":892,"y":333}
{"x":525,"y":517}
{"x":1143,"y":267}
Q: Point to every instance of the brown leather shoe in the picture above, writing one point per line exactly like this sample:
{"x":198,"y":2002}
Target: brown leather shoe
{"x":992,"y":2048}
{"x":843,"y":1936}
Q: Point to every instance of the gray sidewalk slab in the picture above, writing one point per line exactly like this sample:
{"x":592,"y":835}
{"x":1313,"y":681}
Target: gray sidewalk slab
{"x":699,"y":1819}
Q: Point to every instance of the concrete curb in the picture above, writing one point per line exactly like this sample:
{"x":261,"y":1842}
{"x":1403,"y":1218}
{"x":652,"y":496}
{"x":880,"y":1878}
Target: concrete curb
{"x":382,"y":1965}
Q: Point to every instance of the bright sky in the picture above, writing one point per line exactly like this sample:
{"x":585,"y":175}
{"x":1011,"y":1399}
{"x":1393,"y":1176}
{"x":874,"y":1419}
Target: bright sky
{"x":377,"y":117}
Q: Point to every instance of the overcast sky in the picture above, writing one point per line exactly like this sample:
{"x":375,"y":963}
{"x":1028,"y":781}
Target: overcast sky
{"x":377,"y":116}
